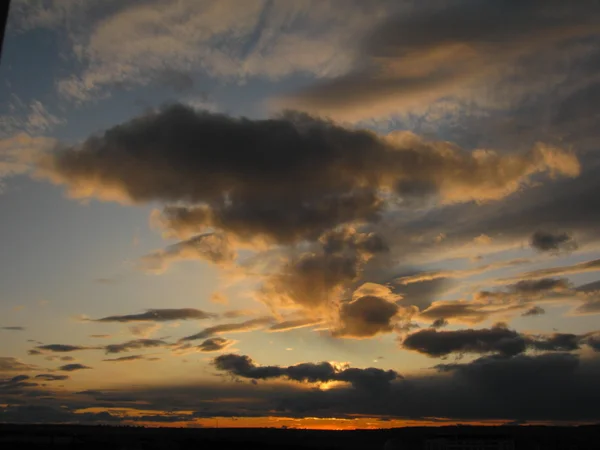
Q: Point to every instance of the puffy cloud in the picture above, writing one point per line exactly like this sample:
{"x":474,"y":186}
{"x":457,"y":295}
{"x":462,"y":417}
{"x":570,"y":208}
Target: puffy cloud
{"x":366,"y":317}
{"x":339,"y":170}
{"x":556,"y":342}
{"x":248,"y":325}
{"x":211,"y":247}
{"x":73,"y":367}
{"x":436,"y":343}
{"x":313,"y":281}
{"x":216,"y":344}
{"x":371,"y":379}
{"x":160,"y":315}
{"x":546,"y":241}
{"x":498,"y":339}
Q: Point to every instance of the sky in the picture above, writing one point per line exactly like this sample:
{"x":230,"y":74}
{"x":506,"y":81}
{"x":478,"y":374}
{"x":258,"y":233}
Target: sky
{"x":319,"y":214}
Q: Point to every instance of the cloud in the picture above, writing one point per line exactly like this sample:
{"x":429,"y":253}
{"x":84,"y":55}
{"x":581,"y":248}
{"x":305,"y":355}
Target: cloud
{"x":125,"y":358}
{"x":464,"y":311}
{"x":62,"y":348}
{"x":51,"y":377}
{"x":73,"y":367}
{"x":582,"y":267}
{"x":434,"y":343}
{"x":216,"y":344}
{"x":439,"y":323}
{"x":366,"y":317}
{"x":144,"y":330}
{"x":546,"y":241}
{"x":294,"y":324}
{"x":143,"y":43}
{"x":370,"y":379}
{"x":428,"y":276}
{"x":340,"y":171}
{"x":160,"y":315}
{"x":555,"y":342}
{"x":534,"y":311}
{"x":240,"y":327}
{"x":135,"y":344}
{"x":400,"y":66}
{"x":13,"y":328}
{"x":210,"y":247}
{"x":498,"y":340}
{"x":19,"y":152}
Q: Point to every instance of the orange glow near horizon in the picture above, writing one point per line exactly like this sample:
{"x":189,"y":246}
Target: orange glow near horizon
{"x":315,"y":423}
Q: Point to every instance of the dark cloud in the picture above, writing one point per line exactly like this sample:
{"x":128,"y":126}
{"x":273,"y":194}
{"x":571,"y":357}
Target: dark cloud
{"x":436,"y":343}
{"x":327,"y":176}
{"x":366,"y":317}
{"x":564,"y":342}
{"x":135,"y":344}
{"x":371,"y":379}
{"x":248,"y":325}
{"x":547,"y":241}
{"x":498,"y":340}
{"x":62,"y":348}
{"x":159,"y":315}
{"x":51,"y":414}
{"x":125,"y":358}
{"x":215,"y":344}
{"x":51,"y":377}
{"x":13,"y":328}
{"x":439,"y":323}
{"x":73,"y":367}
{"x":534,"y":311}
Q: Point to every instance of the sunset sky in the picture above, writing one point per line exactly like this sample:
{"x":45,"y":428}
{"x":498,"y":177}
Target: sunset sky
{"x":310,"y":213}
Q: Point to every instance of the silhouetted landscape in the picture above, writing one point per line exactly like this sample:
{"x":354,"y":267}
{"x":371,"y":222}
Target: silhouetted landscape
{"x":100,"y":437}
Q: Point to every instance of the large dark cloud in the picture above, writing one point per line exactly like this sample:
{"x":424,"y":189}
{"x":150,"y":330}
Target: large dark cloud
{"x":62,"y":348}
{"x":487,"y":340}
{"x":371,"y":378}
{"x":498,"y":340}
{"x":160,"y":315}
{"x":325,"y":174}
